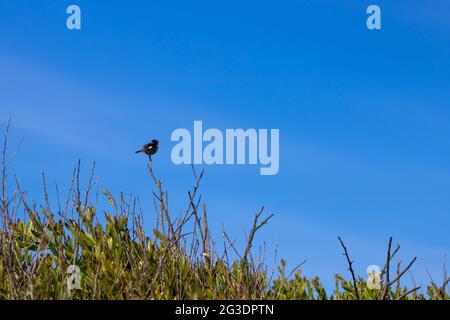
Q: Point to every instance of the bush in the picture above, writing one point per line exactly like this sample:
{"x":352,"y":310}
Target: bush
{"x":118,"y":260}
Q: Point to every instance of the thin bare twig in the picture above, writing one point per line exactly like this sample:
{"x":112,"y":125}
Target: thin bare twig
{"x":350,"y":268}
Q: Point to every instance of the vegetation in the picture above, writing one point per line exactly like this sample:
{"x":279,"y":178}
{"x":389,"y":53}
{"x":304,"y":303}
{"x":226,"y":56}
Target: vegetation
{"x":118,"y":260}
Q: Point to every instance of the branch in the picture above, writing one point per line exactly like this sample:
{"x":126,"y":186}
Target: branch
{"x":350,"y":268}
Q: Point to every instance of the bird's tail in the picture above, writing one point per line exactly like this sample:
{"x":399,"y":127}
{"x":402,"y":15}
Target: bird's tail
{"x":138,"y":151}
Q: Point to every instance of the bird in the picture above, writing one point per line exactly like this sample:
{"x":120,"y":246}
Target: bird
{"x":150,"y":148}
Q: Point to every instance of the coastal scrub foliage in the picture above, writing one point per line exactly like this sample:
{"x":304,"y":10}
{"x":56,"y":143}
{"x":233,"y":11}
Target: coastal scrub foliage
{"x":43,"y":249}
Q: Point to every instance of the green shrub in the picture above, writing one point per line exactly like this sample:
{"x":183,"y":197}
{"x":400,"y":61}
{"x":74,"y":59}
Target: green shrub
{"x":118,"y":260}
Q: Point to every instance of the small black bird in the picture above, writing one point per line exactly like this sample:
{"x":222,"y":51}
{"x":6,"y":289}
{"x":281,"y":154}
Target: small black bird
{"x":150,"y":148}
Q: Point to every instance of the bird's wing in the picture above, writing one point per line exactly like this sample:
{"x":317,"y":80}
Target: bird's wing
{"x":145,"y":147}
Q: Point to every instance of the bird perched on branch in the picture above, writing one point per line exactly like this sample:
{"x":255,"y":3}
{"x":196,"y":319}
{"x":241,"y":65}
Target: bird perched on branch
{"x":150,"y":148}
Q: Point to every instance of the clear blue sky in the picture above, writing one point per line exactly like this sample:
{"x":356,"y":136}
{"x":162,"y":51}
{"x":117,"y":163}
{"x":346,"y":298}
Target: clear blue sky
{"x":364,"y":116}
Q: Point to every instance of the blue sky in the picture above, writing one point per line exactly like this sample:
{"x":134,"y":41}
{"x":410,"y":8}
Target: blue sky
{"x":364,"y":116}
